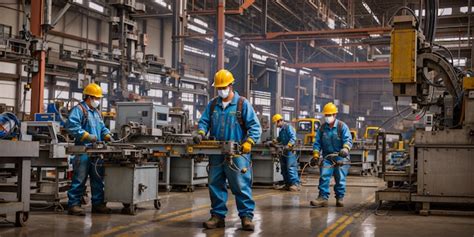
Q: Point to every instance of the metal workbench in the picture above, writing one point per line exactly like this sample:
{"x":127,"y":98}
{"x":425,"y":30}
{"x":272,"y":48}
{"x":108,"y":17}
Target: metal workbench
{"x":19,"y":153}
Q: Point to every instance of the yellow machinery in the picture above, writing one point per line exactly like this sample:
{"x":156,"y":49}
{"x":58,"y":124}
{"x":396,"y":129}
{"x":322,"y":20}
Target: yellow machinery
{"x":371,"y":132}
{"x":353,"y":134}
{"x":306,"y":129}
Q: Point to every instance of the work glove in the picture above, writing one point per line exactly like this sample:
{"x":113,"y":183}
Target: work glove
{"x":91,"y":138}
{"x":109,"y":138}
{"x":247,"y":146}
{"x":289,"y":147}
{"x":315,"y":160}
{"x":197,"y":138}
{"x":344,"y":152}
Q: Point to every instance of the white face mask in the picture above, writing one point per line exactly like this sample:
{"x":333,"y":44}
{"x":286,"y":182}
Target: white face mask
{"x":224,"y":93}
{"x":95,"y":103}
{"x":329,"y":119}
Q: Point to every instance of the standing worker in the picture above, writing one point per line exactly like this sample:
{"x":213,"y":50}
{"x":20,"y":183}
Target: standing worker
{"x":333,"y":138}
{"x":86,"y":126}
{"x":289,"y":162}
{"x":230,"y":117}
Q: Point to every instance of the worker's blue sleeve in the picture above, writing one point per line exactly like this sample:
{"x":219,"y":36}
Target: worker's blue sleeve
{"x":292,"y":134}
{"x":104,"y":130}
{"x":254,"y":130}
{"x":205,"y":120}
{"x":346,"y":137}
{"x":74,"y":124}
{"x":318,"y":141}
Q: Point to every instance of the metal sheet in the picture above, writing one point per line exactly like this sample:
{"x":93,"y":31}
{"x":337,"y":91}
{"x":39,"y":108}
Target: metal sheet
{"x":446,"y":172}
{"x":19,"y":149}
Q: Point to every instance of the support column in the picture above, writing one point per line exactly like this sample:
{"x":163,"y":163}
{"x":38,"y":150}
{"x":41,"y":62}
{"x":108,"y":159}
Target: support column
{"x":37,"y":84}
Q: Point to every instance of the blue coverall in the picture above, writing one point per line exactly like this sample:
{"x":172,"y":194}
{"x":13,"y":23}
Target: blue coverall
{"x":225,"y":127}
{"x":289,"y":163}
{"x":328,"y":142}
{"x":78,"y":127}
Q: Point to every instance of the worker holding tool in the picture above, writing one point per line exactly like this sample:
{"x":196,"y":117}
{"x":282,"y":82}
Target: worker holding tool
{"x":333,"y":140}
{"x":230,"y":117}
{"x":289,"y":161}
{"x":86,"y":126}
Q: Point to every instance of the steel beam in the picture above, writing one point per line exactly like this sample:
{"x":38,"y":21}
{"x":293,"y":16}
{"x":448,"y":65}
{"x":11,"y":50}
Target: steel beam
{"x":37,"y":85}
{"x":360,"y":76}
{"x":346,"y":33}
{"x":342,"y":66}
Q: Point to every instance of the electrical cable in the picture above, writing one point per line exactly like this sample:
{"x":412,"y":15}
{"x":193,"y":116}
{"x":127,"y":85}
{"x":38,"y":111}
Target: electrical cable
{"x":409,"y":10}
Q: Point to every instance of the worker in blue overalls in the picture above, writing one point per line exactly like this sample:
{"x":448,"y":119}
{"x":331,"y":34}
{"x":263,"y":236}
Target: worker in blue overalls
{"x":289,"y":161}
{"x":86,"y":126}
{"x":334,"y":141}
{"x":230,"y":117}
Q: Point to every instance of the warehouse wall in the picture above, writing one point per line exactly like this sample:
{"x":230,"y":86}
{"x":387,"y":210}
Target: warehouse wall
{"x":79,"y":25}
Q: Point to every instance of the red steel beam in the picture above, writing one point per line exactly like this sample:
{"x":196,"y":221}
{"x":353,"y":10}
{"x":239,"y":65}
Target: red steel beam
{"x":360,"y":76}
{"x":342,"y":66}
{"x":338,"y":33}
{"x":37,"y":82}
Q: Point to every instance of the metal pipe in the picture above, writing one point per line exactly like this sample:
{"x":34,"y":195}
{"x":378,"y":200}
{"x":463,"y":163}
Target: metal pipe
{"x":264,"y":16}
{"x":175,"y":40}
{"x":220,"y":34}
{"x":470,"y":44}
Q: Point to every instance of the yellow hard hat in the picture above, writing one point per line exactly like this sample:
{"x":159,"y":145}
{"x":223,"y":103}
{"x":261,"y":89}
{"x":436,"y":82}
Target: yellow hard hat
{"x":93,"y":90}
{"x":223,"y":78}
{"x":276,"y":118}
{"x":330,"y":108}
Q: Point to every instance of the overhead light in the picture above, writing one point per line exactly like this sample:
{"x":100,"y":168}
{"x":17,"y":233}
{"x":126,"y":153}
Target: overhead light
{"x":200,"y":22}
{"x":366,"y":6}
{"x":388,"y":108}
{"x":196,"y":28}
{"x":161,"y":2}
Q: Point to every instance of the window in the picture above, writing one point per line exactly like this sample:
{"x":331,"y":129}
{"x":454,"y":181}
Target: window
{"x":187,"y":97}
{"x":96,"y":7}
{"x":105,"y":87}
{"x":465,"y":9}
{"x":304,"y":127}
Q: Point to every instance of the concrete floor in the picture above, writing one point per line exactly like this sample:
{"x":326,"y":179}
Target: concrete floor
{"x":278,"y":213}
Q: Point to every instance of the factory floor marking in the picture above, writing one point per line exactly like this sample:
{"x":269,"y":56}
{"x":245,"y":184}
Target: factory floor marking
{"x":166,"y":216}
{"x":344,"y":221}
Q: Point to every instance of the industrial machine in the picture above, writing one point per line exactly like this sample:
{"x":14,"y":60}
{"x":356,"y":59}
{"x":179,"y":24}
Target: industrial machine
{"x":306,"y":129}
{"x":15,"y":163}
{"x":131,"y":173}
{"x":160,"y":133}
{"x":15,"y":169}
{"x":441,"y":157}
{"x":51,"y":182}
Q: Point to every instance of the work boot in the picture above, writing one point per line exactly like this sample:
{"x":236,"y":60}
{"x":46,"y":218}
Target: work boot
{"x":339,"y":202}
{"x":76,"y":211}
{"x":319,"y":202}
{"x":283,"y":188}
{"x":101,"y":209}
{"x":214,"y":222}
{"x":247,"y":224}
{"x":293,"y":188}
